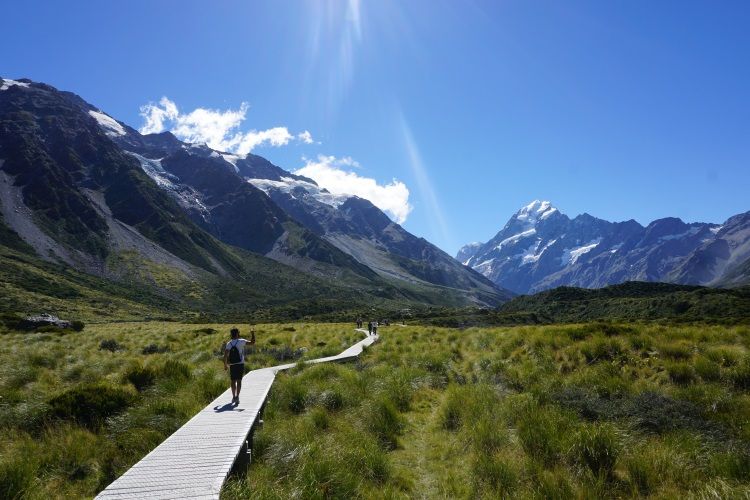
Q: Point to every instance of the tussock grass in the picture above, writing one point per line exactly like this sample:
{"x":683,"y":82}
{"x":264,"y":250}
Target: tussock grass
{"x":77,"y":409}
{"x":573,"y":411}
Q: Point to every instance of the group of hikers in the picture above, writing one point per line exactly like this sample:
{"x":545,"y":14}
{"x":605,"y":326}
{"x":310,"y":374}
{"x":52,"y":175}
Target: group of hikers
{"x":372,"y":326}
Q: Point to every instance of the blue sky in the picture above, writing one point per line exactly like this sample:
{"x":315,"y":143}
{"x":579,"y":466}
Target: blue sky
{"x":622,"y":109}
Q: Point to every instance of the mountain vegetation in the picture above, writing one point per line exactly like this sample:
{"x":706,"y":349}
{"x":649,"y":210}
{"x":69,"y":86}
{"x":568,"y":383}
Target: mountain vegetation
{"x":627,"y":302}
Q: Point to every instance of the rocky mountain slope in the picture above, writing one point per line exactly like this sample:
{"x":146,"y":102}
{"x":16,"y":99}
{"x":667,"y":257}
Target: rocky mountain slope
{"x":82,"y":189}
{"x":541,"y":248}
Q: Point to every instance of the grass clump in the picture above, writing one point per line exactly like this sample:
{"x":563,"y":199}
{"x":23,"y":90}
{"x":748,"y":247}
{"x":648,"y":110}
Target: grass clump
{"x":90,"y":404}
{"x":597,"y":447}
{"x":142,"y":377}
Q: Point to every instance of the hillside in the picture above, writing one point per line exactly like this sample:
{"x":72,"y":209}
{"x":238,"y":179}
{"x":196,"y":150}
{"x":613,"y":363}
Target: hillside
{"x":626,"y":302}
{"x":81,"y":190}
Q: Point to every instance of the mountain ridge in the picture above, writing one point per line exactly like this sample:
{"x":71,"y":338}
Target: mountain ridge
{"x":81,"y":188}
{"x":541,"y":248}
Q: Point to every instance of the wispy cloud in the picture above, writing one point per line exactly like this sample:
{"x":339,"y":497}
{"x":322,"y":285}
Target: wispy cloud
{"x":305,"y":137}
{"x":424,"y":184}
{"x":335,"y":39}
{"x":332,"y":174}
{"x":154,"y":115}
{"x":219,"y":129}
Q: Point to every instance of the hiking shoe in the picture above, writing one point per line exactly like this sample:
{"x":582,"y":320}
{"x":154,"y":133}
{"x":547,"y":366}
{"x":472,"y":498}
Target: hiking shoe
{"x":237,"y":400}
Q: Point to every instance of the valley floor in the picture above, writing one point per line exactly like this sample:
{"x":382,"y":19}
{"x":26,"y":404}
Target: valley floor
{"x":574,"y":411}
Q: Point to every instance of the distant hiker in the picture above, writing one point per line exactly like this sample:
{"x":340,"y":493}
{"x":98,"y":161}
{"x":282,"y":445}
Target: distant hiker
{"x":375,"y":328}
{"x":369,"y":327}
{"x":359,"y":322}
{"x":234,"y":361}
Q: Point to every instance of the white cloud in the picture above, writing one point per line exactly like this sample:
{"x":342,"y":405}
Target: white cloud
{"x":305,"y":137}
{"x":219,"y":129}
{"x":329,"y":172}
{"x":155,"y":115}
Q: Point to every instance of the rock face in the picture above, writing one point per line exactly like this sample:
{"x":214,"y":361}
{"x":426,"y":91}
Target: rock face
{"x":34,"y":322}
{"x":540,"y":248}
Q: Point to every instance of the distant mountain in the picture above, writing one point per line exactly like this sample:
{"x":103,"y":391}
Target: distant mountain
{"x":540,"y":248}
{"x":80,"y":188}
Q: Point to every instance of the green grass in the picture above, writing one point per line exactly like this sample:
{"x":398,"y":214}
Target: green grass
{"x":569,"y":411}
{"x":75,"y":415}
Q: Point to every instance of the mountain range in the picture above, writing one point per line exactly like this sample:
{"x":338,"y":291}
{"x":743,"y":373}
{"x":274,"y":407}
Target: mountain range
{"x":541,"y":248}
{"x":80,"y":189}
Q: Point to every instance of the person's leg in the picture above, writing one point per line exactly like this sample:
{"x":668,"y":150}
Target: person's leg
{"x":239,"y":387}
{"x":234,"y":389}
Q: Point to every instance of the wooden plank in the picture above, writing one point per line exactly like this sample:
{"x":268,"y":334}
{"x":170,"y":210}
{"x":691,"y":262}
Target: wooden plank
{"x":196,"y":459}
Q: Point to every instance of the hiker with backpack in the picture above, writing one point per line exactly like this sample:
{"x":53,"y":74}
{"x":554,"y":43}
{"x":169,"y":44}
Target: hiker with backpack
{"x":234,"y":361}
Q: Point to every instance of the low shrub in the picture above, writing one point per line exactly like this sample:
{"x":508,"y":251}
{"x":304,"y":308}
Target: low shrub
{"x":154,"y":349}
{"x":587,"y":403}
{"x":206,"y":331}
{"x":77,"y":325}
{"x":11,"y":321}
{"x":110,"y":345}
{"x":142,"y":377}
{"x":657,"y":413}
{"x":90,"y":404}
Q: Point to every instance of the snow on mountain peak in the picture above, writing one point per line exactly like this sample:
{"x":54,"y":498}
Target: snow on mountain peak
{"x":7,"y":83}
{"x":300,"y":188}
{"x":109,"y":124}
{"x":535,"y":211}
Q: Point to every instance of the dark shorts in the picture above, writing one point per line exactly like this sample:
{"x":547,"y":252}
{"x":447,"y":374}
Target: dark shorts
{"x":236,"y":372}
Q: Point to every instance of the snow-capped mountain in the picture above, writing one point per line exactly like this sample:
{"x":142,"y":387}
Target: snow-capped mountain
{"x":211,"y":186}
{"x":541,"y":248}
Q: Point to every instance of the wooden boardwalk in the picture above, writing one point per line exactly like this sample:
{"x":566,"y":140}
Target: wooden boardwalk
{"x":195,"y":461}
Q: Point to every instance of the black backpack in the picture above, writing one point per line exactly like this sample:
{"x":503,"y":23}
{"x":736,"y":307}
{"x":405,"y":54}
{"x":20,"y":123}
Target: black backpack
{"x":234,"y":355}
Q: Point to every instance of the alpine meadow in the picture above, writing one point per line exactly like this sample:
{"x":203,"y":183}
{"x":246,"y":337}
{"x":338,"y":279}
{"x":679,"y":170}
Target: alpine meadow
{"x":233,"y":258}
